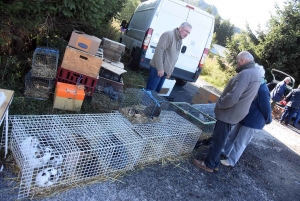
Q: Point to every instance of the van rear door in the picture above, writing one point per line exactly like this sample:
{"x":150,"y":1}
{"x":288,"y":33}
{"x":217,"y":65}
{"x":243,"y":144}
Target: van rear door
{"x":170,"y":15}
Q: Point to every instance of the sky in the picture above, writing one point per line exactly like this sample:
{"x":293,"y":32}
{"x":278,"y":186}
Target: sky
{"x":239,"y":11}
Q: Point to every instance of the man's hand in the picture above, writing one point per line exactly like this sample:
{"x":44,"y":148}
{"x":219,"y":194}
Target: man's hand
{"x":168,"y":76}
{"x":160,"y":73}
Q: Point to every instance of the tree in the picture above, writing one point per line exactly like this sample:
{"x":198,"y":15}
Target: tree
{"x":128,"y":10}
{"x":223,"y":31}
{"x":281,"y":46}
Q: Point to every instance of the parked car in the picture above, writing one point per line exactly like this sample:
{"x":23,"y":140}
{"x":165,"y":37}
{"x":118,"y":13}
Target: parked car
{"x":152,"y":18}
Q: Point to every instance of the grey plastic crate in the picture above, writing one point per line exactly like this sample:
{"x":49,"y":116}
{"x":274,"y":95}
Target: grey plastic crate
{"x":198,"y":118}
{"x":206,"y":108}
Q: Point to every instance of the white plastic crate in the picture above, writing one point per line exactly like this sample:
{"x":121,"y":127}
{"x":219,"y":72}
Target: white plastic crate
{"x":53,"y":150}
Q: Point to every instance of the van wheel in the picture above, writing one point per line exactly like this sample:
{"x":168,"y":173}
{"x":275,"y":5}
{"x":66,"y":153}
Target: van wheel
{"x":180,"y":82}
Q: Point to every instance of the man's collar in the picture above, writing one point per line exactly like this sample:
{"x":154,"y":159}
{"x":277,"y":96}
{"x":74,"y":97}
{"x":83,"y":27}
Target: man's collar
{"x":177,"y":34}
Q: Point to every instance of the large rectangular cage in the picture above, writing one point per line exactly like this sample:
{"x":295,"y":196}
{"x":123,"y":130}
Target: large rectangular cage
{"x":38,"y":87}
{"x":172,"y":136}
{"x":141,"y":106}
{"x":44,"y":62}
{"x":206,"y":108}
{"x":61,"y":150}
{"x":200,"y":119}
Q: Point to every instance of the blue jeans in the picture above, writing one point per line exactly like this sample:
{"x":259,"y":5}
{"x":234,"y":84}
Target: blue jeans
{"x":288,"y":113}
{"x":218,"y":140}
{"x":154,"y":81}
{"x":297,"y":118}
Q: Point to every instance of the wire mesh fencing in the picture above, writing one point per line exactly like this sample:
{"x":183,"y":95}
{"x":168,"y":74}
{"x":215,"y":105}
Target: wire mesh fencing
{"x":44,"y":62}
{"x":38,"y":87}
{"x":141,"y":106}
{"x":172,"y":136}
{"x":54,"y":150}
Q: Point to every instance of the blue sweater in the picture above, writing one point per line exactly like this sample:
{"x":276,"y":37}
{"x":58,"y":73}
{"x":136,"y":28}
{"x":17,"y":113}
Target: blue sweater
{"x":260,"y":110}
{"x":278,"y":92}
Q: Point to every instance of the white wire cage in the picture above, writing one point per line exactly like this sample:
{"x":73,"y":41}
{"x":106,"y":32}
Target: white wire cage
{"x":141,"y":106}
{"x":53,"y":150}
{"x":172,"y":136}
{"x":44,"y":62}
{"x":38,"y":87}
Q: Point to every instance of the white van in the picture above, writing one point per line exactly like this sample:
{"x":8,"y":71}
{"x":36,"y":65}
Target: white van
{"x":152,"y":18}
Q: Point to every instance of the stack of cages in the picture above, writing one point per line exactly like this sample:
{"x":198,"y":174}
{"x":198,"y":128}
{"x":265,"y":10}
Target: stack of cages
{"x":206,"y":108}
{"x":40,"y":80}
{"x":198,"y":118}
{"x":172,"y":136}
{"x":56,"y":151}
{"x":142,"y":106}
{"x":38,"y":87}
{"x":112,"y":50}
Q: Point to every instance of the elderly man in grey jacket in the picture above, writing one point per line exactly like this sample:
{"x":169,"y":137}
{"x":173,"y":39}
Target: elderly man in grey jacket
{"x":232,"y":106}
{"x":166,"y":55}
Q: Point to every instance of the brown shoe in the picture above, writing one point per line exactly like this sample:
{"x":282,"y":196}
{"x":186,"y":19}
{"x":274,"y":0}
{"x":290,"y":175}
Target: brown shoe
{"x":201,"y":164}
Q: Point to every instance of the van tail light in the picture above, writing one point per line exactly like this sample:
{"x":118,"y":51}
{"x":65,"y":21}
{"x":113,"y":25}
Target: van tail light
{"x":147,"y":39}
{"x":190,"y":7}
{"x":202,"y":60}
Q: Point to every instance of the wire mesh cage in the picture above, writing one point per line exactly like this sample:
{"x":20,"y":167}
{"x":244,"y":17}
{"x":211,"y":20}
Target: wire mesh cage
{"x":60,"y":150}
{"x":113,"y":45}
{"x":104,"y":101}
{"x":172,"y":136}
{"x":206,"y":108}
{"x":37,"y":87}
{"x":111,"y":55}
{"x":44,"y":62}
{"x":200,"y":119}
{"x":141,"y":106}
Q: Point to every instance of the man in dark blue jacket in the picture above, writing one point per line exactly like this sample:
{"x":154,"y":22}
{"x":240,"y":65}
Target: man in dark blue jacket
{"x":278,"y":92}
{"x":243,"y":132}
{"x":292,"y":106}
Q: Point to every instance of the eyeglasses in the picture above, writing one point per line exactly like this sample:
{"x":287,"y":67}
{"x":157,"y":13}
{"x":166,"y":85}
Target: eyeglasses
{"x":185,"y":31}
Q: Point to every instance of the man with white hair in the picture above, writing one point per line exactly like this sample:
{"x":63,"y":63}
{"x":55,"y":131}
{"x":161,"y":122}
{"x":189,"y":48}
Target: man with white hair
{"x":232,"y":106}
{"x":166,"y":55}
{"x":277,"y":94}
{"x":259,"y":115}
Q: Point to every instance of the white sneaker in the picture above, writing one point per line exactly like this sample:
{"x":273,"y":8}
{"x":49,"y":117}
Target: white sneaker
{"x":225,"y":162}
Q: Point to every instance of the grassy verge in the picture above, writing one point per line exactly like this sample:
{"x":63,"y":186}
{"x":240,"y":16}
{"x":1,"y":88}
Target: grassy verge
{"x":214,"y":74}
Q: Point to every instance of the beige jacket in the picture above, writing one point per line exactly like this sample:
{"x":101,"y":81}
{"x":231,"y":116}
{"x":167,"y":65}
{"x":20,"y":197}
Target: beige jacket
{"x":167,"y":51}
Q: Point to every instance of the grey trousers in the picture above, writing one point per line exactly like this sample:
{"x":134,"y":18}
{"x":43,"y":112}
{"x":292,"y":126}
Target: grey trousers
{"x":238,"y":139}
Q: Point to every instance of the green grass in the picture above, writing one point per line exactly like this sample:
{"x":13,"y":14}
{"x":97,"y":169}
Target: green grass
{"x":214,"y":74}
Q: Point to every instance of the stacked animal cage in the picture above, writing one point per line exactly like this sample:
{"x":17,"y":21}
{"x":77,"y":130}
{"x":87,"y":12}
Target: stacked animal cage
{"x":40,"y":80}
{"x":44,"y":62}
{"x":38,"y":87}
{"x":112,"y":50}
{"x":141,"y":106}
{"x":61,"y":150}
{"x":172,"y":136}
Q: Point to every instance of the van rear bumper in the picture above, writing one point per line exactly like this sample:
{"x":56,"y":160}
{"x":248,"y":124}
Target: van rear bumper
{"x":177,"y":73}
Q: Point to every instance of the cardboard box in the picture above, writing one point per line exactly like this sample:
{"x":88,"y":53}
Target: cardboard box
{"x":277,"y":111}
{"x":81,"y":62}
{"x":167,"y":87}
{"x":68,"y":97}
{"x":206,"y":94}
{"x":84,"y":42}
